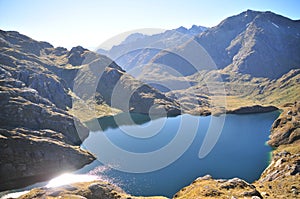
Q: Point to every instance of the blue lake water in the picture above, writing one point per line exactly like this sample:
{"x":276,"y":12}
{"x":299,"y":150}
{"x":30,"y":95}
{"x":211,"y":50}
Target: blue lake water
{"x":161,"y":156}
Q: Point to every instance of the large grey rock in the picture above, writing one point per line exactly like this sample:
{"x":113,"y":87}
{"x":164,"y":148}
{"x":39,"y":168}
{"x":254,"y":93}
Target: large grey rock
{"x":23,"y":107}
{"x":28,"y":156}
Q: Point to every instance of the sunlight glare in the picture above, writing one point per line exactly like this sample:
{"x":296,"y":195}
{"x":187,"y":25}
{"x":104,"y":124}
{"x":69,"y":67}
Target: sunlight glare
{"x":68,"y":178}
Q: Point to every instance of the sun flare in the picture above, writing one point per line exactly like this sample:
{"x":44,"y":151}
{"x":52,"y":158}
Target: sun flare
{"x":68,"y":178}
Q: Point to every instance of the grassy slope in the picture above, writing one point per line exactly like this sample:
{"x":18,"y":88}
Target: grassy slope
{"x":239,"y":90}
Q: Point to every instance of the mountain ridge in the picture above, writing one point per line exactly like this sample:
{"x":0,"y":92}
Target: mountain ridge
{"x":249,"y":47}
{"x":43,"y":92}
{"x":130,"y":49}
{"x":250,"y":41}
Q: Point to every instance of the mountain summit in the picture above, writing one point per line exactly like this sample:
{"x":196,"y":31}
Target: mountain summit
{"x":262,"y":44}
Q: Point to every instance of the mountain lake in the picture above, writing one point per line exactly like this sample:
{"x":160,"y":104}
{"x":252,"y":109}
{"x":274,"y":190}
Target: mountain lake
{"x":240,"y":150}
{"x":159,"y":156}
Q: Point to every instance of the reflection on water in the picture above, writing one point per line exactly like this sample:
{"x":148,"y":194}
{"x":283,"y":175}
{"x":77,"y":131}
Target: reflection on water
{"x":122,"y":119}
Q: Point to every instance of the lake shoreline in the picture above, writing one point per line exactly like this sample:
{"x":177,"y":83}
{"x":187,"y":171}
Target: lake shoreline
{"x":233,"y":113}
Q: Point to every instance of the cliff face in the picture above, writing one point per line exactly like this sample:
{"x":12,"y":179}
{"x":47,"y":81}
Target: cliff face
{"x":37,"y":138}
{"x":281,"y":178}
{"x":286,"y":129}
{"x":28,"y":156}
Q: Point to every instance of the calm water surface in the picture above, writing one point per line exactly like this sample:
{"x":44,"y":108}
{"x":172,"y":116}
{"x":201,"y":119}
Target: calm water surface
{"x":240,"y":150}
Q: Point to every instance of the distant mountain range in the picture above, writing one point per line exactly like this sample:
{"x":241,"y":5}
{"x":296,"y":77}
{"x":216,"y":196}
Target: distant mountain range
{"x":262,"y":44}
{"x":249,"y":53}
{"x":138,"y":48}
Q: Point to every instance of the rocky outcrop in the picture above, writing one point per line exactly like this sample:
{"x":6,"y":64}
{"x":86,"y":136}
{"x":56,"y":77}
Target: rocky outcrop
{"x":286,"y":129}
{"x":13,"y":39}
{"x":24,"y":107}
{"x":37,"y":139}
{"x":18,"y":63}
{"x":281,"y":178}
{"x":253,"y":109}
{"x":28,"y":156}
{"x":207,"y":187}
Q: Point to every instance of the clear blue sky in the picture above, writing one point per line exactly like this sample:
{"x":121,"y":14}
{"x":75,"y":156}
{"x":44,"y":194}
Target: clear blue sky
{"x":90,"y":22}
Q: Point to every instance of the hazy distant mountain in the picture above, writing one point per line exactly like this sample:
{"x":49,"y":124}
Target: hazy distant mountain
{"x":138,"y":49}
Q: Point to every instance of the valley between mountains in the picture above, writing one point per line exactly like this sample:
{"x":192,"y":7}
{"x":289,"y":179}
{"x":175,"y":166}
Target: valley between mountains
{"x":249,"y":63}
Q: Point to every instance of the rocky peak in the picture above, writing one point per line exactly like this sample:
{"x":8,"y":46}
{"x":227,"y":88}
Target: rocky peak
{"x":262,"y":44}
{"x":133,"y":37}
{"x":77,"y":49}
{"x":182,"y":29}
{"x":195,"y":30}
{"x":237,"y":22}
{"x":60,"y":51}
{"x":75,"y":55}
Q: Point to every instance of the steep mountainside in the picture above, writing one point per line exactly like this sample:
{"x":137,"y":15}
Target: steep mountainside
{"x":42,"y":88}
{"x":262,"y":44}
{"x":38,"y":137}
